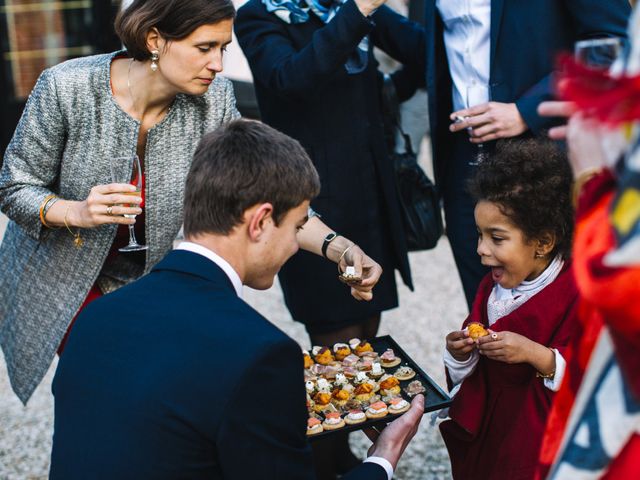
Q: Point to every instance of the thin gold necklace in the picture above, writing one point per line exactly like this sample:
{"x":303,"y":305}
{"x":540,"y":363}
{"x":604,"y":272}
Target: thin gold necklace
{"x":129,"y":85}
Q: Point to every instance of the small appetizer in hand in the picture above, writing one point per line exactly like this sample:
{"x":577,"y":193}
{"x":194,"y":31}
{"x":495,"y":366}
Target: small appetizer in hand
{"x":405,"y":373}
{"x":333,"y":421}
{"x":308,"y":362}
{"x":476,"y":330}
{"x":341,"y":351}
{"x":414,"y":388}
{"x":349,"y":276}
{"x":324,"y":357}
{"x":363,"y":347}
{"x":377,"y":410}
{"x":314,"y":426}
{"x":389,"y":385}
{"x":389,"y":359}
{"x":322,"y":401}
{"x":354,"y":417}
{"x":363,"y":392}
{"x":376,"y":371}
{"x":398,"y":406}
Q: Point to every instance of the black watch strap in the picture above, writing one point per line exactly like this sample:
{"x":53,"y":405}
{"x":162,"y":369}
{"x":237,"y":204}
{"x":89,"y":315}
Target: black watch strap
{"x":327,"y":240}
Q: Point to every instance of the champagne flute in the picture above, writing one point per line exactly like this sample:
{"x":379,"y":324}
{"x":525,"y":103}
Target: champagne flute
{"x":127,"y":170}
{"x":598,"y":53}
{"x":601,"y":54}
{"x":477,"y":94}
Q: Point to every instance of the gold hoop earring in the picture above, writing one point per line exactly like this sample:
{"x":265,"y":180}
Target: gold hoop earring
{"x":154,"y":60}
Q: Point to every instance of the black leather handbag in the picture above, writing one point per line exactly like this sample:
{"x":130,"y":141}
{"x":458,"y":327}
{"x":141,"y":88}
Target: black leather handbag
{"x":419,"y":199}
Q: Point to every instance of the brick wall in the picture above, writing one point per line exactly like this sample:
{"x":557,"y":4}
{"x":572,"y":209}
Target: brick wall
{"x":37,"y":38}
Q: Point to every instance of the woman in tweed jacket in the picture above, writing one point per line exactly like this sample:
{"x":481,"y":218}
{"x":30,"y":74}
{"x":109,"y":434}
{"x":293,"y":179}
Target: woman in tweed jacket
{"x":155,"y":99}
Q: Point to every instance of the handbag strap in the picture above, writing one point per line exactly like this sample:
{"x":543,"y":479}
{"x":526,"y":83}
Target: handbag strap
{"x":391,"y":109}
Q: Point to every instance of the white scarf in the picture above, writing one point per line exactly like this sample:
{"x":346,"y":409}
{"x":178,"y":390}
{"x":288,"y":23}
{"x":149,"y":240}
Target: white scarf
{"x":503,"y":301}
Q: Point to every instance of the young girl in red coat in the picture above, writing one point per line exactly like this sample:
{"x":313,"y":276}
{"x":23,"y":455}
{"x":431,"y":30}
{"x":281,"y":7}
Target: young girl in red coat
{"x":506,"y":380}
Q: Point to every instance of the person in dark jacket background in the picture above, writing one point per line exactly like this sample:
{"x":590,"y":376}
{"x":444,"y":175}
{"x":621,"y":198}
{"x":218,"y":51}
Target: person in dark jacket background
{"x":316,"y":80}
{"x":496,"y":57}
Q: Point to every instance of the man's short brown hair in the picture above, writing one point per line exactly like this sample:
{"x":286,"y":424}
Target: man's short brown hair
{"x":174,"y":19}
{"x":242,"y":164}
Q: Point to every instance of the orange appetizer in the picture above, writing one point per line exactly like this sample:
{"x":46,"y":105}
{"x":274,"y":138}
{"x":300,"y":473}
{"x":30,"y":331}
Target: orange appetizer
{"x":324,"y":357}
{"x":308,"y":362}
{"x":390,"y":386}
{"x":363,"y":347}
{"x":341,"y":351}
{"x":476,"y":330}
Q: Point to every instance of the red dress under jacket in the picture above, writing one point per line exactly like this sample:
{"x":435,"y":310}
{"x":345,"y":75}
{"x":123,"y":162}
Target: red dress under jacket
{"x":498,"y":417}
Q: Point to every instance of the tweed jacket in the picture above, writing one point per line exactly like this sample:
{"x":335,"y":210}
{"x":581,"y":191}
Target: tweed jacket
{"x":70,"y":129}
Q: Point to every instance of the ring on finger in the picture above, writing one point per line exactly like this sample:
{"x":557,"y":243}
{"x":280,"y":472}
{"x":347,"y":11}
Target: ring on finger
{"x":494,"y":336}
{"x":110,"y":210}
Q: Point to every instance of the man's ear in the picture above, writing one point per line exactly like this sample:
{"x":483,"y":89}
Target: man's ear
{"x":259,"y":220}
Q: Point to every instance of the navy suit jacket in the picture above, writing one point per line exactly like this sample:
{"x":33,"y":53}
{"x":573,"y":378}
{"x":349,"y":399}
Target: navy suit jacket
{"x":526,"y":36}
{"x":174,"y":376}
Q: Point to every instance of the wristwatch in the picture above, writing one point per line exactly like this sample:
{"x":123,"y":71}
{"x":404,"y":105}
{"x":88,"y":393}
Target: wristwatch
{"x":327,"y":240}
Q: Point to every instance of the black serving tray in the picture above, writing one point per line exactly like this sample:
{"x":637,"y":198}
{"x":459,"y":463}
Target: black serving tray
{"x":435,"y":397}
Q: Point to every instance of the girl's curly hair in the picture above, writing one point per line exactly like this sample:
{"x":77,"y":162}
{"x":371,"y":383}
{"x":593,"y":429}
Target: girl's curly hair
{"x":530,"y":180}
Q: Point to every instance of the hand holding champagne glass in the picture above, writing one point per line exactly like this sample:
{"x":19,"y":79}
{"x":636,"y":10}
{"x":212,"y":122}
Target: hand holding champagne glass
{"x":128,"y":170}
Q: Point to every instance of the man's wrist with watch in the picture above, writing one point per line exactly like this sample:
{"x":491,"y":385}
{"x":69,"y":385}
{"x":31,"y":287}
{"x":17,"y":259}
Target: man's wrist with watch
{"x":334,"y":245}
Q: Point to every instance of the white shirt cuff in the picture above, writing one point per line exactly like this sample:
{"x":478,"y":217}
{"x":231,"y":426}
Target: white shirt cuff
{"x":384,"y":463}
{"x":459,"y":370}
{"x":554,"y":383}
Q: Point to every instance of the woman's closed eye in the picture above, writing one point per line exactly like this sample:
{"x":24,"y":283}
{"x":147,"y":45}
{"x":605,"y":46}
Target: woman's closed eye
{"x":208,"y":49}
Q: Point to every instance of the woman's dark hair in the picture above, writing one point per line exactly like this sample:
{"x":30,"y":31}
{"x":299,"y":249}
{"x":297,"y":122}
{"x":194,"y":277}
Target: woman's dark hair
{"x":174,"y":19}
{"x":531,"y":181}
{"x":242,"y":164}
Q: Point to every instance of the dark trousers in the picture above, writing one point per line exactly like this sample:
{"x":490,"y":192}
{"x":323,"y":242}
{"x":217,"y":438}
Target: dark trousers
{"x":458,"y":211}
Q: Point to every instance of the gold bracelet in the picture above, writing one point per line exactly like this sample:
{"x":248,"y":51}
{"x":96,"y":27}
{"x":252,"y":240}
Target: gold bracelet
{"x":343,"y":254}
{"x":77,"y":239}
{"x":548,"y":375}
{"x":582,"y":179}
{"x":43,"y":209}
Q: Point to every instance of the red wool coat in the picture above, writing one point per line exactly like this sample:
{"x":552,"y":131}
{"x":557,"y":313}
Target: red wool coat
{"x":498,"y":417}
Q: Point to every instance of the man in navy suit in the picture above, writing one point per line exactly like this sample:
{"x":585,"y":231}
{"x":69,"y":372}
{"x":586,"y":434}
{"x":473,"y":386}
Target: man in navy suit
{"x":175,"y":376}
{"x":489,"y":63}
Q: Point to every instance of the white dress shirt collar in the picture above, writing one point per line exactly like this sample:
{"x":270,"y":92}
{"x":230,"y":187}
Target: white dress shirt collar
{"x":218,"y":260}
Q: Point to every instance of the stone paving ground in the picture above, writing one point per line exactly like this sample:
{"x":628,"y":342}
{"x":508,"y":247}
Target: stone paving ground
{"x":419,"y":325}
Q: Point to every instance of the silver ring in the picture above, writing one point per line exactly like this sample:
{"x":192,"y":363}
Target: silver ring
{"x":110,"y":210}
